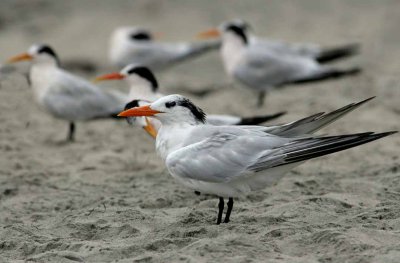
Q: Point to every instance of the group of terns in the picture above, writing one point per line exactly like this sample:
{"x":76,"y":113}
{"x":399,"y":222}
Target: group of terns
{"x":222,"y":155}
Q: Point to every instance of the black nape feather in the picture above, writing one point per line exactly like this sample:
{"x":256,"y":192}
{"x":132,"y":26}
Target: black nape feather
{"x":132,"y":104}
{"x":146,"y":74}
{"x":48,"y":50}
{"x":196,"y":111}
{"x":141,"y":36}
{"x":239,"y":30}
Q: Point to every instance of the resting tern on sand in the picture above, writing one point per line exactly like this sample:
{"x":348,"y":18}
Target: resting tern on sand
{"x":262,"y":68}
{"x":64,"y":95}
{"x":137,"y":45}
{"x":319,"y":53}
{"x":229,"y":161}
{"x":144,"y":89}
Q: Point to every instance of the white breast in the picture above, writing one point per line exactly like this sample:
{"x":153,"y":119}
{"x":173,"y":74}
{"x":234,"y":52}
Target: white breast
{"x":232,"y":50}
{"x":42,"y":78}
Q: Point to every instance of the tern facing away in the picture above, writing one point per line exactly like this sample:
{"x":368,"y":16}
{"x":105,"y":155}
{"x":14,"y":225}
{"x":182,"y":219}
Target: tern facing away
{"x":64,"y":95}
{"x":137,"y":45}
{"x":263,"y":67}
{"x":144,"y":89}
{"x":229,"y":161}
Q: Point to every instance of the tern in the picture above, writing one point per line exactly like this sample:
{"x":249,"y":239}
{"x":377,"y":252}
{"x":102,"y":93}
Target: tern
{"x":230,"y":161}
{"x":137,"y":45}
{"x":144,"y":89}
{"x":263,"y":67}
{"x":64,"y":95}
{"x":311,"y":50}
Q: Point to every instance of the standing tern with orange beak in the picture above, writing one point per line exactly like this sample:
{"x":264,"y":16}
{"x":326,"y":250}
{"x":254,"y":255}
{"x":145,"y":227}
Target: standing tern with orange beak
{"x":311,"y":50}
{"x":138,"y":45}
{"x":230,"y":161}
{"x":144,"y":88}
{"x":64,"y":95}
{"x":261,"y":68}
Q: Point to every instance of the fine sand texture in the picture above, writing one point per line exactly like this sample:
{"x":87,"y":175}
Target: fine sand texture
{"x":108,"y":197}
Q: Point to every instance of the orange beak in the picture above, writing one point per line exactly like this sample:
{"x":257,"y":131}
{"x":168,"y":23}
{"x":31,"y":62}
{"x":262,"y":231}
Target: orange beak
{"x":20,"y":57}
{"x":111,"y":76}
{"x":149,"y":128}
{"x":139,"y":111}
{"x":211,"y":33}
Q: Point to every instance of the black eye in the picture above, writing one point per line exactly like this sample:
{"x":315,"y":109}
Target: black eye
{"x":170,"y":104}
{"x":141,"y":36}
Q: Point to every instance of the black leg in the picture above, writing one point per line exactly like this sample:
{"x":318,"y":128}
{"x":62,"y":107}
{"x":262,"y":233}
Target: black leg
{"x":221,"y":210}
{"x":261,"y":97}
{"x":197,"y":193}
{"x":71,"y":132}
{"x":228,"y":212}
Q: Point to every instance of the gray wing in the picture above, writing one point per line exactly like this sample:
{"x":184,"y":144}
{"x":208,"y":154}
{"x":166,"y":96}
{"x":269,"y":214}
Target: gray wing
{"x":216,"y":119}
{"x":74,"y":98}
{"x":261,"y":67}
{"x":227,"y":156}
{"x":223,"y":154}
{"x":313,"y":51}
{"x":185,"y":50}
{"x":158,"y":55}
{"x":314,"y":122}
{"x":302,"y":49}
{"x":305,"y":149}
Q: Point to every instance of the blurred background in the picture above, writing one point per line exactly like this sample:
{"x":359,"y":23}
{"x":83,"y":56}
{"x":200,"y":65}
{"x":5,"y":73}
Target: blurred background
{"x":81,"y":29}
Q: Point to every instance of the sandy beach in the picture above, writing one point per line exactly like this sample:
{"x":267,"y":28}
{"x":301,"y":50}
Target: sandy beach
{"x":108,"y":197}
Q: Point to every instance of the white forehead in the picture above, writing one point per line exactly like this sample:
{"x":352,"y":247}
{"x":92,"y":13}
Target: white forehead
{"x":127,"y":68}
{"x":169,"y":98}
{"x":34,"y":49}
{"x":237,"y":22}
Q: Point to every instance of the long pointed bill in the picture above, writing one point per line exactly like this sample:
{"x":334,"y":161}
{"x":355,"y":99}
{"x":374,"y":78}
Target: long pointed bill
{"x":139,"y":111}
{"x":211,"y":33}
{"x":20,"y":57}
{"x":111,"y":76}
{"x":149,"y":128}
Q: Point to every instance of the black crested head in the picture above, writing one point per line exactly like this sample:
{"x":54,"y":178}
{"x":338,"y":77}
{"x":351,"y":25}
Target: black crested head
{"x":132,"y":104}
{"x":141,"y":36}
{"x":146,"y":74}
{"x":48,"y":50}
{"x":238,"y":30}
{"x":198,"y":113}
{"x":45,"y":49}
{"x":242,"y":24}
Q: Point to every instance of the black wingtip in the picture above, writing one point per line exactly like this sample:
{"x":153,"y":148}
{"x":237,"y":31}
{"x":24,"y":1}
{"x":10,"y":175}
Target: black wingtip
{"x":366,"y":100}
{"x":260,"y":119}
{"x":352,"y":71}
{"x":384,"y":134}
{"x":357,"y":104}
{"x":343,"y":142}
{"x":332,"y":74}
{"x":335,"y":53}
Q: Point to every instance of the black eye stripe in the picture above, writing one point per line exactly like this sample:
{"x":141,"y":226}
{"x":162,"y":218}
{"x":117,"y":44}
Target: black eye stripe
{"x":141,"y":36}
{"x":170,"y":104}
